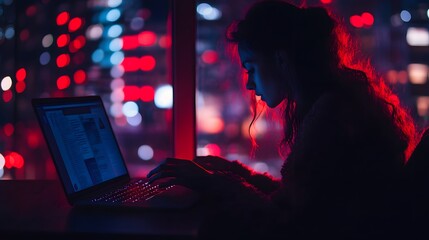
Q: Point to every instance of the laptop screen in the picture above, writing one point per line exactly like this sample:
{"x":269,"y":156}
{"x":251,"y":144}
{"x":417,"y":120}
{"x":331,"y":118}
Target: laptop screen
{"x":80,"y":137}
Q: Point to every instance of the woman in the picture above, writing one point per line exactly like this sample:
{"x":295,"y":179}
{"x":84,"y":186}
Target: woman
{"x":347,"y":133}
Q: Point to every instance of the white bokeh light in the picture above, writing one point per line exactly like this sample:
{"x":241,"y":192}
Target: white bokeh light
{"x":117,"y":71}
{"x":114,"y":31}
{"x":94,"y":32}
{"x":113,"y":15}
{"x":116,"y":110}
{"x":130,"y":109}
{"x":2,"y":161}
{"x":6,"y":83}
{"x":145,"y":152}
{"x":164,"y":97}
{"x":417,"y":36}
{"x":115,"y":44}
{"x":135,"y":120}
{"x":114,"y":3}
{"x":47,"y":40}
{"x":117,"y":95}
{"x":117,"y":83}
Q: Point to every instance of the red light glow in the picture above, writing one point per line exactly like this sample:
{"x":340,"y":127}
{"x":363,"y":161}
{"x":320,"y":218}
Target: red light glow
{"x":14,"y":159}
{"x":356,"y":21}
{"x":7,"y":163}
{"x":367,"y":18}
{"x":147,"y":93}
{"x":326,"y":1}
{"x":147,"y":38}
{"x":63,"y":18}
{"x":21,"y":74}
{"x":77,"y":44}
{"x":75,"y":24}
{"x":63,"y":40}
{"x":63,"y":60}
{"x":7,"y":96}
{"x":8,"y":129}
{"x":79,"y":77}
{"x":31,"y":11}
{"x":24,"y":35}
{"x":147,"y":63}
{"x":213,"y":149}
{"x":63,"y":82}
{"x":130,"y":42}
{"x":33,"y":139}
{"x":209,"y":57}
{"x":165,"y":41}
{"x":20,"y":87}
{"x":131,"y":64}
{"x":131,"y":93}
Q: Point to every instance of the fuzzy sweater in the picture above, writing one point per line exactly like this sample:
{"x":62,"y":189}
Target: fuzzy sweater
{"x":337,"y":182}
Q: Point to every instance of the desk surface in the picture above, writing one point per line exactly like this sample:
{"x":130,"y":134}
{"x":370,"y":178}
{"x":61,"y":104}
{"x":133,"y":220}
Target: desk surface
{"x":39,"y":207}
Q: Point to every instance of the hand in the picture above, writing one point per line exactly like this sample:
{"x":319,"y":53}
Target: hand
{"x":213,"y":163}
{"x":183,"y":172}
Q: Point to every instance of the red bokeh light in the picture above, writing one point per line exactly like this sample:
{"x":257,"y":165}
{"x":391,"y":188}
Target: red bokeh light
{"x":356,"y":21}
{"x":131,"y":93}
{"x":213,"y":149}
{"x":147,"y":38}
{"x":7,"y":96}
{"x":8,"y":129}
{"x":130,"y":42}
{"x":209,"y":56}
{"x":147,"y":63}
{"x":21,"y":74}
{"x":77,"y":44}
{"x":326,"y":1}
{"x":14,"y":159}
{"x":63,"y":18}
{"x":24,"y":34}
{"x":63,"y":40}
{"x":33,"y":139}
{"x":63,"y":60}
{"x":367,"y":18}
{"x":79,"y":77}
{"x":131,"y":64}
{"x":8,"y":162}
{"x":63,"y":82}
{"x":20,"y":87}
{"x":165,"y":41}
{"x":147,"y":93}
{"x":75,"y":24}
{"x":31,"y":10}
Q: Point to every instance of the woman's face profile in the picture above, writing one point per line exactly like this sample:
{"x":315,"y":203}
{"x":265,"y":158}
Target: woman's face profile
{"x":264,"y":76}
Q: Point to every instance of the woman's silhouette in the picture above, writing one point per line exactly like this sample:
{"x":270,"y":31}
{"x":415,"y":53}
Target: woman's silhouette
{"x":347,"y":133}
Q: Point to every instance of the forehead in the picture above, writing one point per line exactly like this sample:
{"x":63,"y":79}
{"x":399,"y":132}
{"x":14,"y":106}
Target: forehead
{"x":245,"y":53}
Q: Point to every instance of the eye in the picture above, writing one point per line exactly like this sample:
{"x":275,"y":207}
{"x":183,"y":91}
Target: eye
{"x":250,"y":71}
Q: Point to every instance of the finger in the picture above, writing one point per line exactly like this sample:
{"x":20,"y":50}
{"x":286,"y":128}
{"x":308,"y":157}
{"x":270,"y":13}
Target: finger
{"x":161,"y":175}
{"x":161,"y":167}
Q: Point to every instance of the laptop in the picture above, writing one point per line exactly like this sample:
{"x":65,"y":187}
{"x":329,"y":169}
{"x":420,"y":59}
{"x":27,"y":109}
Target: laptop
{"x":89,"y":162}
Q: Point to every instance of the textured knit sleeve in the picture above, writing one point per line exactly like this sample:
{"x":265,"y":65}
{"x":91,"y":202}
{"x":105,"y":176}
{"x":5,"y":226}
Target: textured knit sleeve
{"x":264,"y":182}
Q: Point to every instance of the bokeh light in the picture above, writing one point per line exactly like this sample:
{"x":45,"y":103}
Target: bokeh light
{"x":145,"y":152}
{"x":164,"y":97}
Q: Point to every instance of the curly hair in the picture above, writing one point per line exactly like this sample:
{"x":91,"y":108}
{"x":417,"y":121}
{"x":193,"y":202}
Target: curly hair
{"x":325,"y":56}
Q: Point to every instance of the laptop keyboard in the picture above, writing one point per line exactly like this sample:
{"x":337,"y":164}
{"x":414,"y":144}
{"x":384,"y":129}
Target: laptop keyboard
{"x":139,"y":190}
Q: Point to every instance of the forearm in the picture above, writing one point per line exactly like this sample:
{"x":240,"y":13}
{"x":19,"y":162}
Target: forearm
{"x":263,"y":182}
